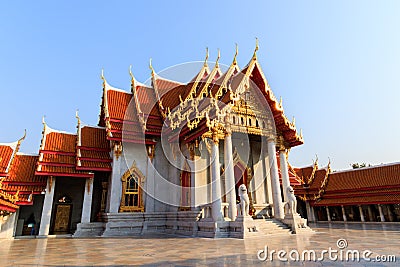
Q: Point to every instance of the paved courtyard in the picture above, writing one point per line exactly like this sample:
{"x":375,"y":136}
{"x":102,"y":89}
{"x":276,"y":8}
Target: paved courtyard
{"x":382,"y":240}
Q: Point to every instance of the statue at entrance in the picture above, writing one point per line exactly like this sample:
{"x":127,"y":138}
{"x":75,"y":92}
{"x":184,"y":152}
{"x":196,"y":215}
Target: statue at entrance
{"x":243,"y":206}
{"x":292,"y":201}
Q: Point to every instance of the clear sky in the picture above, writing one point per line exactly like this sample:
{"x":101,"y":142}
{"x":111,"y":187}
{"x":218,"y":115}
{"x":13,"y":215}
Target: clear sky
{"x":336,"y":64}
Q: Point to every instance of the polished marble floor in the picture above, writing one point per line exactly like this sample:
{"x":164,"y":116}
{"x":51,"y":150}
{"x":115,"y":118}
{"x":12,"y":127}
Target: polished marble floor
{"x":152,"y":250}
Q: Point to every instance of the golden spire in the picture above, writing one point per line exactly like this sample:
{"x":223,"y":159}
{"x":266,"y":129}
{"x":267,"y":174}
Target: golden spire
{"x":77,"y":117}
{"x":132,"y":78}
{"x":294,"y":121}
{"x":206,"y":59}
{"x":130,"y":73}
{"x":102,"y":75}
{"x":219,"y":56}
{"x":256,"y":49}
{"x":236,"y":53}
{"x":43,"y":121}
{"x":151,"y":68}
{"x":23,"y":137}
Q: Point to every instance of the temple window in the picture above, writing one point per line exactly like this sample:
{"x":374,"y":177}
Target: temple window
{"x":234,"y":119}
{"x":241,"y":119}
{"x":257,"y":123}
{"x":131,"y":199}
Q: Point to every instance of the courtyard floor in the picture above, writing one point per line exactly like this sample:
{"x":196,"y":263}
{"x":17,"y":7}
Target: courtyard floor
{"x":383,"y":240}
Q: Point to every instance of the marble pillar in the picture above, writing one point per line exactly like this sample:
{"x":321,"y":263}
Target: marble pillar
{"x":344,"y":214}
{"x":284,"y":172}
{"x":361,"y":213}
{"x":230,"y":177}
{"x":115,"y":184}
{"x":87,"y":201}
{"x":328,"y":214}
{"x":47,"y":207}
{"x":381,"y":215}
{"x":370,"y":214}
{"x":276,"y":189}
{"x":390,"y":213}
{"x":216,"y":183}
{"x":310,"y":212}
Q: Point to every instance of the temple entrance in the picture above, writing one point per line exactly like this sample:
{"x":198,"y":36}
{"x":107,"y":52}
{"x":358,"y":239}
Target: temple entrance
{"x":185,"y":190}
{"x":62,"y":219}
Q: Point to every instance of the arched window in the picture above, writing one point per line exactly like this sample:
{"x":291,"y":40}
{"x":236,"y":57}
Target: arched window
{"x":131,"y":199}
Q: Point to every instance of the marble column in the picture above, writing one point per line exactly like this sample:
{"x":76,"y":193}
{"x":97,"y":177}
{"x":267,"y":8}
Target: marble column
{"x":266,"y":173}
{"x":216,"y":184}
{"x":284,"y":172}
{"x":361,"y":213}
{"x":87,"y":201}
{"x":229,"y":176}
{"x":344,"y":214}
{"x":115,"y":184}
{"x":47,"y":207}
{"x":276,"y":189}
{"x":370,"y":214}
{"x":381,"y":215}
{"x":390,"y":213}
{"x":310,"y":212}
{"x":328,"y":214}
{"x":150,"y":180}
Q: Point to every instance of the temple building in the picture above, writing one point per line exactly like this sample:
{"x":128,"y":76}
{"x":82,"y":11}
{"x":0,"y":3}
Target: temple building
{"x":370,"y":194}
{"x":206,"y":158}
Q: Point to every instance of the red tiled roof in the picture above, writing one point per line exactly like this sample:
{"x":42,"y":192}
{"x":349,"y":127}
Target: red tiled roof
{"x":164,"y":85}
{"x":94,"y":137}
{"x":370,"y":177}
{"x":6,"y":153}
{"x":59,"y":155}
{"x":372,"y":185}
{"x":7,"y":206}
{"x":94,"y":150}
{"x":118,"y":103}
{"x":23,"y":170}
{"x":63,"y":142}
{"x":382,"y":198}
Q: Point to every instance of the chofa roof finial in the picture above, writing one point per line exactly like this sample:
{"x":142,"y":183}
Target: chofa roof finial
{"x":206,"y":59}
{"x":255,"y":49}
{"x":151,"y":67}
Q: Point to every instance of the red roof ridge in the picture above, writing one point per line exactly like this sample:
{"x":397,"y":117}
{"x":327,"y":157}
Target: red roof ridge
{"x":157,"y":76}
{"x":369,"y":167}
{"x":107,"y":86}
{"x":27,"y":154}
{"x":52,"y":130}
{"x":93,"y":126}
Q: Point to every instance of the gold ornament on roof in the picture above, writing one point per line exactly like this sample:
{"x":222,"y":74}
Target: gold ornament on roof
{"x":206,"y":59}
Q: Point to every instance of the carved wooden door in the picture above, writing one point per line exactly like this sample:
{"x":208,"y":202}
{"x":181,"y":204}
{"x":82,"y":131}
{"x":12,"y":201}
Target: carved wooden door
{"x":62,"y":218}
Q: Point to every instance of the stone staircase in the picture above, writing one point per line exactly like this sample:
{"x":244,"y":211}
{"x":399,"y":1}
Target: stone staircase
{"x":271,"y":227}
{"x":247,"y":227}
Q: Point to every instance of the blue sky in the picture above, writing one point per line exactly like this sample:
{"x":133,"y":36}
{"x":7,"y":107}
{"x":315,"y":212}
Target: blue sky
{"x":335,"y":63}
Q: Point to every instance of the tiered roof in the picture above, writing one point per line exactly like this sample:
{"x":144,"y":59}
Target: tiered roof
{"x":371,"y":185}
{"x":7,"y":155}
{"x":18,"y":182}
{"x":58,"y":154}
{"x":143,"y":111}
{"x":93,"y":149}
{"x":22,"y":179}
{"x":73,"y":155}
